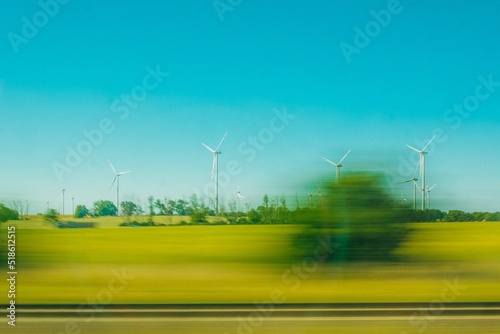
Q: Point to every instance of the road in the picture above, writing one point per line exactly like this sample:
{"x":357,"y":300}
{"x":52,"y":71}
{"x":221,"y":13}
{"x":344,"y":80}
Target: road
{"x":398,"y":318}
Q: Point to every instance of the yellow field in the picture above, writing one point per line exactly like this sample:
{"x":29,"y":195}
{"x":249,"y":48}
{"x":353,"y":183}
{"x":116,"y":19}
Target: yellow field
{"x":247,"y":263}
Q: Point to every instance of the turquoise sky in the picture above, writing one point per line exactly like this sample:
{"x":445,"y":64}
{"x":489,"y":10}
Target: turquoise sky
{"x":144,"y":83}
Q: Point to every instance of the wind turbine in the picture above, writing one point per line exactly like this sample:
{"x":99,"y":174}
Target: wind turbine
{"x":215,"y":168}
{"x":338,"y":166}
{"x":318,"y":193}
{"x":429,"y":195}
{"x":422,"y":167}
{"x":403,"y":199}
{"x":415,"y":186}
{"x":239,"y":198}
{"x":117,"y":180}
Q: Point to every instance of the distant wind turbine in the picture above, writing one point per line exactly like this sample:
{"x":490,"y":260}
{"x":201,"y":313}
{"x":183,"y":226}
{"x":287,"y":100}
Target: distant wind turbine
{"x":429,"y":195}
{"x":239,"y":198}
{"x":310,"y":199}
{"x":415,"y":186}
{"x":320,"y":195}
{"x":403,"y":199}
{"x":338,"y":166}
{"x":117,"y":180}
{"x":215,"y":168}
{"x":422,"y":167}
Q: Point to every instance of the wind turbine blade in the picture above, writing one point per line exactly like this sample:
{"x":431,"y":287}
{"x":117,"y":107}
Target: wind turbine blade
{"x":415,"y":172}
{"x":208,"y":148}
{"x":344,"y":157}
{"x":114,"y":180}
{"x":431,"y":187}
{"x":413,"y":148}
{"x":333,"y":163}
{"x":113,"y":168}
{"x":221,"y":141}
{"x":407,"y":181}
{"x":121,"y":173}
{"x":429,"y":143}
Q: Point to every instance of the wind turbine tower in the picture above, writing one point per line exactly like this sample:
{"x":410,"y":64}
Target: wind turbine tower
{"x":215,"y":169}
{"x":338,"y":166}
{"x":117,"y":180}
{"x":63,"y":190}
{"x":422,"y":153}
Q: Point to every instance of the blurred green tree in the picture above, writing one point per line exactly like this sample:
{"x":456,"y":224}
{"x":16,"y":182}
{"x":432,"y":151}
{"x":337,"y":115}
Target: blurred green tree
{"x":129,"y":209}
{"x":81,"y":211}
{"x":198,"y":216}
{"x":161,"y":207}
{"x":52,"y":215}
{"x":104,"y":208}
{"x":358,"y":218}
{"x":7,"y":214}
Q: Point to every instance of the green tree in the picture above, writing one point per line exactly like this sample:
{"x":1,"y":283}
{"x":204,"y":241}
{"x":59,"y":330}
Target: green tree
{"x":493,"y":217}
{"x":479,"y":216}
{"x":162,"y":209}
{"x":266,"y":210}
{"x":281,"y":212}
{"x":171,"y":207}
{"x":198,"y":216}
{"x":129,"y":209}
{"x":81,"y":211}
{"x":434,"y":215}
{"x":104,"y":208}
{"x":358,"y":221}
{"x":458,"y":216}
{"x":151,"y":206}
{"x":20,"y":207}
{"x":254,"y":216}
{"x":181,"y":207}
{"x":52,"y":215}
{"x":7,"y":214}
{"x":273,"y":211}
{"x":194,"y":202}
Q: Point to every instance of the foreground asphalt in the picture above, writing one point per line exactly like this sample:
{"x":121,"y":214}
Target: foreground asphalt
{"x":400,"y":318}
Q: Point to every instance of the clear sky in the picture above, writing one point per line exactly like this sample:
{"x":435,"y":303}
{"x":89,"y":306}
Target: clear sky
{"x":289,"y":81}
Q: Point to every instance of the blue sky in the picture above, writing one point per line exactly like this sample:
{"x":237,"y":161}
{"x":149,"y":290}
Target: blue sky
{"x":193,"y":73}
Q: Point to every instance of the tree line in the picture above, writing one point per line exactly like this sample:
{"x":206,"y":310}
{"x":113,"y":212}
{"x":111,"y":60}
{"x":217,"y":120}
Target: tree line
{"x":270,"y":211}
{"x":434,"y":215}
